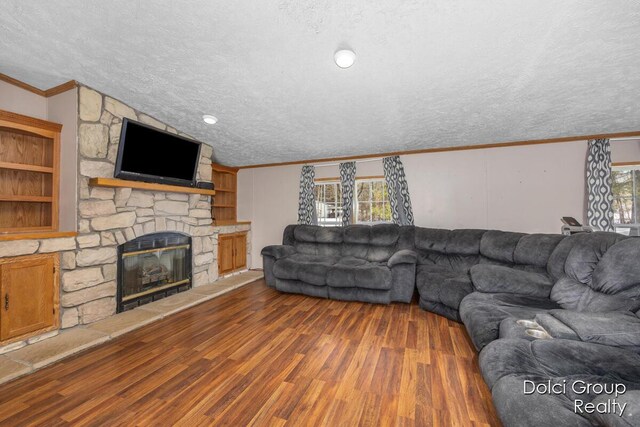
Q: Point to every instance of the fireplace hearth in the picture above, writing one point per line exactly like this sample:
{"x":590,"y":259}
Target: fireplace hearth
{"x":152,"y":267}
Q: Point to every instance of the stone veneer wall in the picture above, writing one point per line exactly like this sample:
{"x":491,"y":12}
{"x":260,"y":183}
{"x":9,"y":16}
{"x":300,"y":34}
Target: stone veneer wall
{"x":109,"y":217}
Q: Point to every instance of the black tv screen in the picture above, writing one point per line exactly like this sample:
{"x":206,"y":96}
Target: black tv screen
{"x":151,"y":155}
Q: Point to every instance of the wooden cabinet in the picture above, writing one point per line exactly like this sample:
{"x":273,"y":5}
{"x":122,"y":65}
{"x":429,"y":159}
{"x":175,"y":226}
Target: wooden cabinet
{"x":232,"y":252}
{"x":224,"y":203}
{"x":29,"y":296}
{"x":29,"y":173}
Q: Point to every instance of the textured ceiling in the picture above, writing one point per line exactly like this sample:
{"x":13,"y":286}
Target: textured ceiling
{"x":427,"y":74}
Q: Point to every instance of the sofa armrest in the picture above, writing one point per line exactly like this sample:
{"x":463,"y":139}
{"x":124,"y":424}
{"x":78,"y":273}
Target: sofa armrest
{"x":404,"y":256}
{"x":499,"y":279}
{"x":278,"y":251}
{"x":612,"y":328}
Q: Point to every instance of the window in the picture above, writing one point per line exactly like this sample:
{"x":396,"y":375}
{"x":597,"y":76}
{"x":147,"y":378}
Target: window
{"x":370,"y":204}
{"x":626,"y":198}
{"x":329,"y":203}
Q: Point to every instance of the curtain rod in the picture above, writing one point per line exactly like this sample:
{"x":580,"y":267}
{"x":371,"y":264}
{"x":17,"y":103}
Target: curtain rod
{"x":322,"y":165}
{"x":629,"y":138}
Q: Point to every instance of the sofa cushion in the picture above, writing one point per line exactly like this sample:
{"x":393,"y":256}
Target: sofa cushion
{"x":500,"y":279}
{"x":617,"y":328}
{"x":353,"y":272}
{"x":457,"y":249}
{"x":374,"y":243}
{"x":482,"y":313}
{"x":311,"y":269}
{"x":443,"y":285}
{"x":573,"y":295}
{"x":500,"y":245}
{"x":587,"y":250}
{"x":535,"y":249}
{"x":314,"y":240}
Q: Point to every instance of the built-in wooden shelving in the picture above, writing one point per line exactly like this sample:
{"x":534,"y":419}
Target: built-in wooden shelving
{"x":224,"y":206}
{"x":29,"y":174}
{"x":149,"y":186}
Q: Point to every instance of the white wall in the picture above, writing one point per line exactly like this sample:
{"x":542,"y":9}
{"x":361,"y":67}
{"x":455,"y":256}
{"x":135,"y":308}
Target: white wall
{"x":527,"y":188}
{"x":627,"y":150}
{"x":18,"y":100}
{"x":61,"y":108}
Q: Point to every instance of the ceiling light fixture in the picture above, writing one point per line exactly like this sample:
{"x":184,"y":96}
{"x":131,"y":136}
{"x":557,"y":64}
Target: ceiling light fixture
{"x":209,"y":119}
{"x":344,"y":58}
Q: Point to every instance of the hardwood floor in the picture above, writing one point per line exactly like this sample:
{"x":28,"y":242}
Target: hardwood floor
{"x":259,"y":357}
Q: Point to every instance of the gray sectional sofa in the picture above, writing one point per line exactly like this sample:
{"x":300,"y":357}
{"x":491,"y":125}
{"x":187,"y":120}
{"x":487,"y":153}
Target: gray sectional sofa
{"x":540,"y":308}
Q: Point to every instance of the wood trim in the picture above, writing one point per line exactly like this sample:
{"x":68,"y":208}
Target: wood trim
{"x":358,"y":178}
{"x":57,"y":90}
{"x":230,"y":222}
{"x":222,"y":168}
{"x":636,"y":163}
{"x":445,"y":149}
{"x":36,"y":235}
{"x":21,"y":85}
{"x":26,"y":123}
{"x":71,"y":84}
{"x":122,"y":183}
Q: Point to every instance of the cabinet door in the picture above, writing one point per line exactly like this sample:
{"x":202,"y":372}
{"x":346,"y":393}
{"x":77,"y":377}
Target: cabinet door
{"x":240,"y":250}
{"x":29,"y":295}
{"x":225,"y":254}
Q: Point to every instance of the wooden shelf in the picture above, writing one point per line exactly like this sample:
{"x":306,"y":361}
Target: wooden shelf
{"x":25,"y":167}
{"x":223,"y":223}
{"x":34,"y":199}
{"x":226,"y":183}
{"x":32,"y":235}
{"x":29,"y":174}
{"x":122,"y":183}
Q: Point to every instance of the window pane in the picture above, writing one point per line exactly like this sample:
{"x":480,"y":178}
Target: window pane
{"x":377,"y":212}
{"x":330,"y":192}
{"x":378,"y":191}
{"x":364,"y":212}
{"x":363,"y":191}
{"x":623,"y":210}
{"x":622,"y":183}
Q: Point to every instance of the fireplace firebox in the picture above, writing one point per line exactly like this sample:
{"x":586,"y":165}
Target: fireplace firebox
{"x":152,"y":267}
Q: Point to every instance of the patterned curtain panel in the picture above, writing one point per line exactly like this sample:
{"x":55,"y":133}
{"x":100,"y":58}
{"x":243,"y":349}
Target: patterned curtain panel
{"x":599,"y":190}
{"x":306,"y":198}
{"x":398,"y":190}
{"x":348,"y":183}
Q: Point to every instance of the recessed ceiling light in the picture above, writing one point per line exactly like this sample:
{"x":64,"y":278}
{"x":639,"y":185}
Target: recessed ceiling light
{"x":345,"y":58}
{"x":209,"y":119}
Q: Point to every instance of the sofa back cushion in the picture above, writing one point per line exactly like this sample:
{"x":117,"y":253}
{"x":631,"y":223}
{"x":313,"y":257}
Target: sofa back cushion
{"x":376,"y":243}
{"x":315,"y":240}
{"x":527,"y":252}
{"x":601,"y":273}
{"x":455,"y":249}
{"x":499,"y":246}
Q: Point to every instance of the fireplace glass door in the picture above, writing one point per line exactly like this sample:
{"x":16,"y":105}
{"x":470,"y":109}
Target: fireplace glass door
{"x":148,"y":274}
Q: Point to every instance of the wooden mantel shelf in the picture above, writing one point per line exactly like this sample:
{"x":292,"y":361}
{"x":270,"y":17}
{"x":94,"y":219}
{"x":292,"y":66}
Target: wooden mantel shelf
{"x":122,"y":183}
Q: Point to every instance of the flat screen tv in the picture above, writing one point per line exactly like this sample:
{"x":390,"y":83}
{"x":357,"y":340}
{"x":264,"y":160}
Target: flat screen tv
{"x":151,"y":155}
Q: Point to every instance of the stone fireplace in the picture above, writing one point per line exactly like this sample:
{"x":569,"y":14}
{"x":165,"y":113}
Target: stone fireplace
{"x":152,"y":267}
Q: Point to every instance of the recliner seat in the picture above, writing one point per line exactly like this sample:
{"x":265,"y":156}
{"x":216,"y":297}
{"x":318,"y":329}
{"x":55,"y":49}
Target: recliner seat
{"x":594,"y":272}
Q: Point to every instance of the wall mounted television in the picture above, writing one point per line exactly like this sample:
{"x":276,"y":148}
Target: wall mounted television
{"x":151,"y":155}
